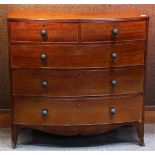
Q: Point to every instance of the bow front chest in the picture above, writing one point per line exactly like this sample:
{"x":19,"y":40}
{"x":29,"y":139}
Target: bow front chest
{"x":77,"y":73}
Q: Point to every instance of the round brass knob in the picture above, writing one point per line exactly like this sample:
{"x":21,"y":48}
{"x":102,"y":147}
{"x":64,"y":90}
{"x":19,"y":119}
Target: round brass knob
{"x":43,"y":57}
{"x":114,"y":31}
{"x":44,"y":36}
{"x":43,"y":32}
{"x":112,"y":110}
{"x":113,"y":82}
{"x":44,"y":112}
{"x":44,"y":84}
{"x":113,"y":55}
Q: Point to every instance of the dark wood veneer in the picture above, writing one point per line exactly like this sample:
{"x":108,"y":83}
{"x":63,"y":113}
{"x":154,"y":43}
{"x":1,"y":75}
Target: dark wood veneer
{"x":78,"y":83}
{"x":87,"y":110}
{"x":76,"y":16}
{"x":56,"y":32}
{"x":91,"y":32}
{"x":75,"y":56}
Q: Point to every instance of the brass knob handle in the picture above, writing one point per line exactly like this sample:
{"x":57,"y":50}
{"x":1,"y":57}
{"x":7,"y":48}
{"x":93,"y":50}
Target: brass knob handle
{"x":43,"y":57}
{"x":114,"y":31}
{"x":113,"y":55}
{"x":112,"y":110}
{"x":44,"y":84}
{"x":44,"y":112}
{"x":43,"y":33}
{"x":113,"y":82}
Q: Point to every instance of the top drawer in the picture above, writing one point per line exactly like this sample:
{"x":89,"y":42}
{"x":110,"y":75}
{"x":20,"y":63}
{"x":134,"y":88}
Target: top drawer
{"x":113,"y":31}
{"x":42,"y":31}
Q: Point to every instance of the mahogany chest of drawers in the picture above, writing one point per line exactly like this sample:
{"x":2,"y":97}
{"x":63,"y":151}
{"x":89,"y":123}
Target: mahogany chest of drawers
{"x":77,"y":73}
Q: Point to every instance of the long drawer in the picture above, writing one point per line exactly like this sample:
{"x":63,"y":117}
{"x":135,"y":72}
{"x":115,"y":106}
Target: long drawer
{"x":78,"y":82}
{"x":78,"y":56}
{"x":77,"y":111}
{"x":44,"y":31}
{"x":113,"y":31}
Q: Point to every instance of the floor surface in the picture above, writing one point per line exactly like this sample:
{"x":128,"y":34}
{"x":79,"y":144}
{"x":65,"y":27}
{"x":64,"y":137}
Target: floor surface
{"x":122,"y":139}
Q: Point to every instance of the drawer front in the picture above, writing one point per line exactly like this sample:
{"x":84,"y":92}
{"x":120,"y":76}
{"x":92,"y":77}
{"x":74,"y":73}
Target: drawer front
{"x":47,"y":111}
{"x":42,"y":31}
{"x":78,"y":82}
{"x":113,"y":31}
{"x":76,"y":56}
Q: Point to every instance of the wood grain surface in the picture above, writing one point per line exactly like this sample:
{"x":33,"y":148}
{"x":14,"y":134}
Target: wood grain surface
{"x":56,"y":32}
{"x":82,"y":15}
{"x":77,"y":83}
{"x":5,"y":9}
{"x":77,"y":111}
{"x":77,"y":56}
{"x":92,"y":32}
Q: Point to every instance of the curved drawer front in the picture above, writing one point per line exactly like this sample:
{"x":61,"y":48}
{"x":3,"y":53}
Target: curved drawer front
{"x":113,"y":31}
{"x":78,"y":82}
{"x":77,"y":56}
{"x":47,"y":111}
{"x":42,"y":31}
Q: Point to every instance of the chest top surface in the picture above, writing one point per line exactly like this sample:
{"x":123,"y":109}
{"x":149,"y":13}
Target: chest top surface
{"x":76,"y":16}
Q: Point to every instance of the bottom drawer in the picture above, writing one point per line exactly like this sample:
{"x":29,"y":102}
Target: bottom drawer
{"x":77,"y":111}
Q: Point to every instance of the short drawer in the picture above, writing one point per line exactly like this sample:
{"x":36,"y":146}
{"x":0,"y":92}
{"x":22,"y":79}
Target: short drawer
{"x":77,"y":82}
{"x":113,"y":31}
{"x":77,"y":111}
{"x":42,"y":31}
{"x":77,"y":56}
